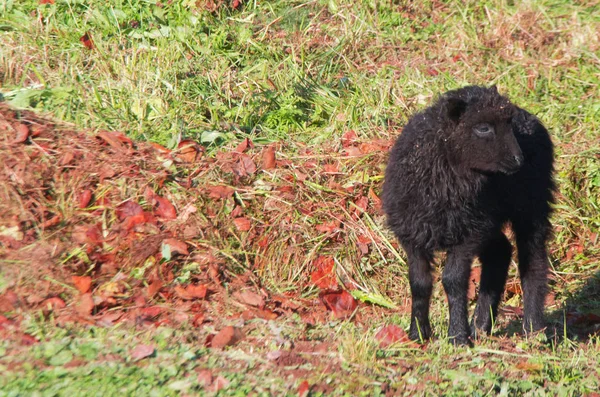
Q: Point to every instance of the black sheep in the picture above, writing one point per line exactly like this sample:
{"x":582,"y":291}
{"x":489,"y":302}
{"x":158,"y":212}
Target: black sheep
{"x":461,"y":169}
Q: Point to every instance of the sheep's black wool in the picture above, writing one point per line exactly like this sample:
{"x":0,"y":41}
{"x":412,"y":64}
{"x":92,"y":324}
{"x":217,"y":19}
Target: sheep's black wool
{"x":462,"y":169}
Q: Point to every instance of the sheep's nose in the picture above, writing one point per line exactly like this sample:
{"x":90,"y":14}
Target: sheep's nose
{"x":519,"y":159}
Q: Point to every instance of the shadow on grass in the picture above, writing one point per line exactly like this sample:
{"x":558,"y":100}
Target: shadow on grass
{"x":579,"y":316}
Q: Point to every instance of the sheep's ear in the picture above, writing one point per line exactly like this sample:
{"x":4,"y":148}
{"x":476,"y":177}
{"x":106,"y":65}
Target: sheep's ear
{"x":455,"y":108}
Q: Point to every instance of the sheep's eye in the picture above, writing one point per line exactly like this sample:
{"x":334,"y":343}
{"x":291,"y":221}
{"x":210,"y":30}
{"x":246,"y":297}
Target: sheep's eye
{"x":483,"y":130}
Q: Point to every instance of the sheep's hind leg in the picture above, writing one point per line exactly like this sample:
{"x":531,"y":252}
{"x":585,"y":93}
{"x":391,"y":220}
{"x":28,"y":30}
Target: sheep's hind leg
{"x":421,"y":285}
{"x":495,"y":259}
{"x":533,"y":270}
{"x":455,"y":279}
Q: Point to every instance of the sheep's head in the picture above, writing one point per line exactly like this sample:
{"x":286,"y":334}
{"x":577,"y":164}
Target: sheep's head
{"x":481,"y":136}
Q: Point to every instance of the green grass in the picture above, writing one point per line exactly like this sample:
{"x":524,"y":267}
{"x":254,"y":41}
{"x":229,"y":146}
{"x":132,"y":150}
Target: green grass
{"x":304,"y":73}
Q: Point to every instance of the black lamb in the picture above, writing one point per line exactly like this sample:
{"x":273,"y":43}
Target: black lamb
{"x":462,"y":169}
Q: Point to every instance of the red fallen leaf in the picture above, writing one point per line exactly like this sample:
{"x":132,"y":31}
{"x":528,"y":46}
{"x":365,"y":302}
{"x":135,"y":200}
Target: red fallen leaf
{"x":342,"y":304}
{"x":54,"y":303}
{"x":391,"y":334}
{"x":237,"y":211}
{"x":160,"y":148}
{"x":49,"y":223}
{"x":220,"y":192}
{"x":456,"y":57}
{"x":473,"y":281}
{"x":353,"y":151}
{"x":86,"y":40}
{"x":245,"y":144}
{"x":28,"y":340}
{"x":4,"y":320}
{"x":177,"y":246}
{"x":432,"y":72}
{"x":235,"y":4}
{"x":268,"y":158}
{"x":361,"y":204}
{"x":127,"y":209}
{"x":82,"y":283}
{"x":349,"y":138}
{"x":115,"y":139}
{"x":198,"y":320}
{"x":154,"y":287}
{"x":244,"y":166}
{"x":192,"y":291}
{"x":151,"y":312}
{"x":328,"y":227}
{"x":86,"y":304}
{"x":303,"y":389}
{"x":250,"y":298}
{"x":331,"y":168}
{"x":162,"y":206}
{"x":67,"y":158}
{"x":205,"y":377}
{"x":228,"y":336}
{"x":219,"y":383}
{"x":188,"y":151}
{"x":84,"y":198}
{"x":142,"y":351}
{"x":22,"y":133}
{"x":376,"y":200}
{"x":324,"y":277}
{"x":46,"y":1}
{"x":242,"y":224}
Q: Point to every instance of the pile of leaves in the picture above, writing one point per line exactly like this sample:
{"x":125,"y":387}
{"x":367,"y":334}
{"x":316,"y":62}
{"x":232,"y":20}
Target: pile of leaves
{"x":96,"y":228}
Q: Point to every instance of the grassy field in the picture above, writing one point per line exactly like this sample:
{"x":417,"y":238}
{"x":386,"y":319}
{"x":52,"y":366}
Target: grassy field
{"x":327,"y":85}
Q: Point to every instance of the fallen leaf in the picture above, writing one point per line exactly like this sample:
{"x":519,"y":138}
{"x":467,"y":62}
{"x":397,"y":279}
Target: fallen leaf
{"x":228,"y":336}
{"x":82,"y":283}
{"x":192,"y":291}
{"x":22,"y":133}
{"x":242,"y":224}
{"x":352,"y":151}
{"x":159,"y":148}
{"x":162,"y":206}
{"x":529,"y":366}
{"x":50,"y":223}
{"x":86,"y":304}
{"x":127,"y":209}
{"x":142,"y":351}
{"x":328,"y":227}
{"x":187,"y":151}
{"x":268,"y":158}
{"x":219,"y":383}
{"x":115,"y":139}
{"x":242,"y":146}
{"x":220,"y":192}
{"x":349,"y":138}
{"x":303,"y":389}
{"x":250,"y":298}
{"x":46,"y":1}
{"x":391,"y":334}
{"x":54,"y":303}
{"x":205,"y":377}
{"x":473,"y":281}
{"x":244,"y":166}
{"x":324,"y":276}
{"x":177,"y":246}
{"x":28,"y":340}
{"x":84,"y":198}
{"x":342,"y":304}
{"x":154,"y":288}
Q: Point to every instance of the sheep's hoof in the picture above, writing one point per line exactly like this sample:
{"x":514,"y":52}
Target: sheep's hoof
{"x":419,"y":334}
{"x":461,"y":340}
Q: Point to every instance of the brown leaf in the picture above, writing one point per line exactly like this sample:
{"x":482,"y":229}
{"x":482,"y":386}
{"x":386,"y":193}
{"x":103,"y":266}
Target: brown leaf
{"x":391,"y":334}
{"x":142,"y":351}
{"x":228,"y":336}
{"x":82,"y":283}
{"x":328,"y":227}
{"x":245,"y":144}
{"x":191,"y":291}
{"x":353,"y":151}
{"x":250,"y":298}
{"x":67,"y":158}
{"x":84,"y":198}
{"x":244,"y":166}
{"x":154,"y":288}
{"x":160,"y":148}
{"x":54,"y":303}
{"x":529,"y":366}
{"x":220,"y":192}
{"x":22,"y":133}
{"x":242,"y":224}
{"x":50,"y":223}
{"x":219,"y":383}
{"x":205,"y":377}
{"x":349,"y":138}
{"x":188,"y":151}
{"x":376,"y":200}
{"x":46,"y":1}
{"x":86,"y":304}
{"x":268,"y":158}
{"x":303,"y":389}
{"x":324,"y":276}
{"x":115,"y":139}
{"x":127,"y":209}
{"x":342,"y":304}
{"x":177,"y":246}
{"x":162,"y":206}
{"x":473,"y":281}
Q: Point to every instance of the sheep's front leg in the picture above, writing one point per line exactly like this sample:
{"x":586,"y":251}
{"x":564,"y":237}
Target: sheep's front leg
{"x":421,"y":285}
{"x":455,"y":279}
